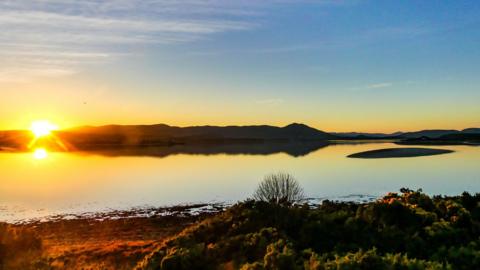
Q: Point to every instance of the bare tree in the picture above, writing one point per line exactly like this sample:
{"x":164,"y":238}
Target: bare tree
{"x":279,"y":188}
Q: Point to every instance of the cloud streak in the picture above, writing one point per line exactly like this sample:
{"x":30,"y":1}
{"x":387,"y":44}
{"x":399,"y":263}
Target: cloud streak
{"x":64,"y":36}
{"x":373,"y":86}
{"x":379,"y":85}
{"x":58,"y":37}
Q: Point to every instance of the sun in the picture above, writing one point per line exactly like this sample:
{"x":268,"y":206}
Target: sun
{"x":40,"y":153}
{"x":42,"y":128}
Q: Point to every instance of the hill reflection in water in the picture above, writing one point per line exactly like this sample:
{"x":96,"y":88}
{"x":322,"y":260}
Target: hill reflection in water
{"x":294,"y":149}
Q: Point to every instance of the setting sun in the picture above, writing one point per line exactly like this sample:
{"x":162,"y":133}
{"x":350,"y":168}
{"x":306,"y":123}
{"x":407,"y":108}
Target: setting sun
{"x":42,"y":128}
{"x":40,"y":153}
{"x":164,"y":134}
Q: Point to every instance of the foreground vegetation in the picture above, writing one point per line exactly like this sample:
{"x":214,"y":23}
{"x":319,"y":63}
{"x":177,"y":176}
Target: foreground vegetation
{"x":116,"y":240}
{"x":408,"y":230}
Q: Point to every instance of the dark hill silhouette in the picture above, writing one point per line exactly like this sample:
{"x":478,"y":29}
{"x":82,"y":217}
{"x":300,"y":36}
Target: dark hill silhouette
{"x":367,"y":136}
{"x":162,"y":134}
{"x":461,"y":136}
{"x":448,"y":139}
{"x":471,"y":130}
{"x":361,"y":134}
{"x":299,"y":131}
{"x":431,"y":133}
{"x":15,"y":139}
{"x":111,"y":136}
{"x":415,"y":135}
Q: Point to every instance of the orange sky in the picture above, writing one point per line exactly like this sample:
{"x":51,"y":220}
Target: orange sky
{"x":337,"y":66}
{"x":67,"y":103}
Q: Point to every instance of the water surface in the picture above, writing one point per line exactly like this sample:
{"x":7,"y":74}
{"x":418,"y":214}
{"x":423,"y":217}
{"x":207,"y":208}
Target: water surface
{"x":101,"y":181}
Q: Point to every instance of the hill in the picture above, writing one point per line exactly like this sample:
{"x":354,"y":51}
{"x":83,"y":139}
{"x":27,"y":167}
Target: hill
{"x":431,"y":133}
{"x":117,"y":136}
{"x":471,"y":130}
{"x":292,"y":131}
{"x":161,"y":134}
{"x":447,"y":139}
{"x":14,"y":139}
{"x":451,"y":135}
{"x":361,"y":135}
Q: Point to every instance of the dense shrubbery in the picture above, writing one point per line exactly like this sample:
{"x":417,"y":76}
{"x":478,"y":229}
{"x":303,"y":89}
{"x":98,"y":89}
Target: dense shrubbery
{"x":409,"y":230}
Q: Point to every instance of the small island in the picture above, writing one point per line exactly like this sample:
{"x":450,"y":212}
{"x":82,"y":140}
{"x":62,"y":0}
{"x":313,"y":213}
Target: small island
{"x":400,"y":153}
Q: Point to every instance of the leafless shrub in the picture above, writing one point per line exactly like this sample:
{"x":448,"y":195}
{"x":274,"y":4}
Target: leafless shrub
{"x":279,"y":188}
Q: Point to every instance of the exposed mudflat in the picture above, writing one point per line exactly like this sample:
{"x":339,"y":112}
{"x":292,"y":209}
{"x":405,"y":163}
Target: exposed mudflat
{"x":400,"y":153}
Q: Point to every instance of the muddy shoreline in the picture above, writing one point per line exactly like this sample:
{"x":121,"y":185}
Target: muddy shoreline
{"x":110,"y":240}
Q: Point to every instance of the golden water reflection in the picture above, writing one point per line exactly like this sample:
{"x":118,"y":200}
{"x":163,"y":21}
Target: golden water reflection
{"x":57,"y":182}
{"x":40,"y":153}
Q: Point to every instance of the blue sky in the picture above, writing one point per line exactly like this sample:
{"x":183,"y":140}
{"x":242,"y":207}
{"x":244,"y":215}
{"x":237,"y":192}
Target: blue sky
{"x":336,"y":65}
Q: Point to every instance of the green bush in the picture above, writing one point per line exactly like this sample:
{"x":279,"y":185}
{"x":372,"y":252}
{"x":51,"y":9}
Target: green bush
{"x":407,"y":230}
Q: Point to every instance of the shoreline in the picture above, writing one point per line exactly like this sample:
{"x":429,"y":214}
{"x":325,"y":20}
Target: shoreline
{"x":209,"y":238}
{"x":174,"y":211}
{"x":95,"y":241}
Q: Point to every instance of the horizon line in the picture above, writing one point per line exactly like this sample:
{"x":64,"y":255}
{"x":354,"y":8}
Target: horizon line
{"x":248,"y":125}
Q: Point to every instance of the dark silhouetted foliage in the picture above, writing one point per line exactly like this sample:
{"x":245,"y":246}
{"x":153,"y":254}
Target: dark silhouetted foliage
{"x":409,"y":230}
{"x":279,"y":188}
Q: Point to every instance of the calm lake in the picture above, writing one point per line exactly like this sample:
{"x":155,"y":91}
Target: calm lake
{"x":58,"y":183}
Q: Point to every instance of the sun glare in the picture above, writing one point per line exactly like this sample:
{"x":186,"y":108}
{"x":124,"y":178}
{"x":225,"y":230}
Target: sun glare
{"x":42,"y":128}
{"x":40,"y":153}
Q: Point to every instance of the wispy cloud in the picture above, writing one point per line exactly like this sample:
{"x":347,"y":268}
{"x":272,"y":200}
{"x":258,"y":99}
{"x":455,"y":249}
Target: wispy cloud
{"x":379,"y":85}
{"x":373,"y":86}
{"x":361,"y":38}
{"x":57,"y":37}
{"x":66,"y":35}
{"x":266,"y":50}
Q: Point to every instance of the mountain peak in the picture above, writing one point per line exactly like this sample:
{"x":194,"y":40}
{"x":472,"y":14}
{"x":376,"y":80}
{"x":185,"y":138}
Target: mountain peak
{"x":297,"y":125}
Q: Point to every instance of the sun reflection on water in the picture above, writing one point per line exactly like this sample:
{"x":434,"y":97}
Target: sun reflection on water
{"x":40,"y":153}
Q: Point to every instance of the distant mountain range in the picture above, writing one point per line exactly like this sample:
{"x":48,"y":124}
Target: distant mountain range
{"x":362,"y":135}
{"x":430,"y":133}
{"x":170,"y":135}
{"x":292,"y":131}
{"x":89,"y":137}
